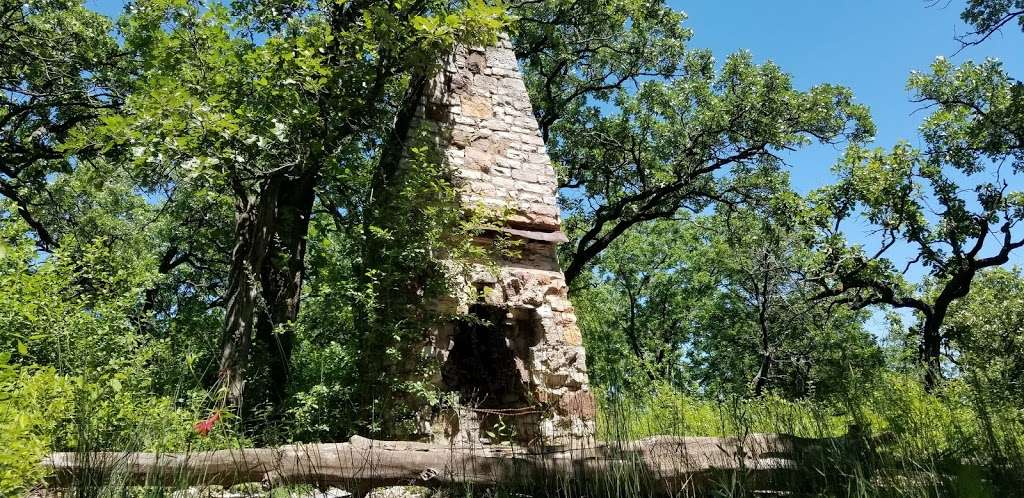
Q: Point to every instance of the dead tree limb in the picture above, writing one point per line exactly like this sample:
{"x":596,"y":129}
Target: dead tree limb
{"x":661,"y":464}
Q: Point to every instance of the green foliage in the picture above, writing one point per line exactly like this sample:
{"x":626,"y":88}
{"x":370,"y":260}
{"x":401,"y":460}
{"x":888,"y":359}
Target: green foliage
{"x":688,"y":143}
{"x":892,"y":439}
{"x":978,"y":119}
{"x":573,"y":51}
{"x":421,"y":244}
{"x":641,"y":127}
{"x":61,"y":69}
{"x":987,"y":335}
{"x":973,"y":129}
{"x":176,"y":183}
{"x":220,"y":121}
{"x":990,"y":16}
{"x":79,"y":371}
{"x":716,"y":305}
{"x":29,"y":401}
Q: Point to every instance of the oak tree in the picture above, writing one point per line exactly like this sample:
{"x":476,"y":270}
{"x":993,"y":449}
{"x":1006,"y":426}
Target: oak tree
{"x":951,"y":201}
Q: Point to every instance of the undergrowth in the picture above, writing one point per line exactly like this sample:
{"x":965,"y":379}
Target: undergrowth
{"x":896,"y":440}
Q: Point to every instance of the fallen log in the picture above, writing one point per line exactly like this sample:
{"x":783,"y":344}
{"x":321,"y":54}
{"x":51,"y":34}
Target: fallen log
{"x":659,"y":465}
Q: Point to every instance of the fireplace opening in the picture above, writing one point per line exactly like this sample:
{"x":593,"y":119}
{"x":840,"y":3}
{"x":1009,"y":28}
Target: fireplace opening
{"x":488,"y":365}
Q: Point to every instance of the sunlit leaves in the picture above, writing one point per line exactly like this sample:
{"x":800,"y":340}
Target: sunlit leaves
{"x":978,"y":114}
{"x":685,"y":143}
{"x":989,"y":16}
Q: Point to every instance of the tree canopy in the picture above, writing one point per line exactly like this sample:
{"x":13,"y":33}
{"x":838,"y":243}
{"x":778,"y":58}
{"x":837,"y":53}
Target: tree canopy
{"x":225,"y":223}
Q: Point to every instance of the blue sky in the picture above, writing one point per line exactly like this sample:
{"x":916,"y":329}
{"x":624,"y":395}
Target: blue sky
{"x":870,"y":46}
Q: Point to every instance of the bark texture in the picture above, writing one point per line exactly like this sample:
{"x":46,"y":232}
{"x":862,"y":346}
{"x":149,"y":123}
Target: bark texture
{"x":661,"y":465}
{"x":265,"y":283}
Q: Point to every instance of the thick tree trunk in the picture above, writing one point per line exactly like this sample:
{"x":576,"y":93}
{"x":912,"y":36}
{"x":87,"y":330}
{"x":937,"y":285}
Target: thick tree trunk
{"x":663,"y":465}
{"x":281,"y":279}
{"x":242,"y":294}
{"x":265,"y":284}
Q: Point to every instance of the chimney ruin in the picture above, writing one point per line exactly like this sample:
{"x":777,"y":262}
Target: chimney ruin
{"x":517,"y":361}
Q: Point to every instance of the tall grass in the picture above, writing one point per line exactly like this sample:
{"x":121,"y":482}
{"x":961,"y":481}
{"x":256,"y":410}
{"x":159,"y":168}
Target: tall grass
{"x":892,"y":440}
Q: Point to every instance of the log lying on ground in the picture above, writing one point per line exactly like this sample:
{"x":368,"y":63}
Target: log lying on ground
{"x":661,"y":464}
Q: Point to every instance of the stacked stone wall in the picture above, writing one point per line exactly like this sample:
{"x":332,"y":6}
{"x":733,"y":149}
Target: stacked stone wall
{"x":484,"y":124}
{"x":480,"y":101}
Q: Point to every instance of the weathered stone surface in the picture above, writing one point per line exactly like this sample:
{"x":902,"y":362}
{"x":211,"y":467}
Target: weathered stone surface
{"x":572,"y":335}
{"x":331,"y":492}
{"x":490,"y":137}
{"x":476,"y":62}
{"x":477,"y":107}
{"x":399,"y":492}
{"x":483,"y":94}
{"x":579,"y":402}
{"x":219,"y":492}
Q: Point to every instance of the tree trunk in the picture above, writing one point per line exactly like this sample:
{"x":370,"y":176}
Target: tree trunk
{"x":265,"y":284}
{"x":281,"y":279}
{"x":661,"y":465}
{"x":242,"y":294}
{"x":761,"y":379}
{"x":931,"y":350}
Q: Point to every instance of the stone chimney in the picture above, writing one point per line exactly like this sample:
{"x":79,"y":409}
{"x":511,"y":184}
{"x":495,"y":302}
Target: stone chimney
{"x":518,"y":364}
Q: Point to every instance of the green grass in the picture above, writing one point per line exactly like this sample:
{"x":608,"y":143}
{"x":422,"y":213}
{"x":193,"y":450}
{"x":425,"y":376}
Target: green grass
{"x":893,"y":440}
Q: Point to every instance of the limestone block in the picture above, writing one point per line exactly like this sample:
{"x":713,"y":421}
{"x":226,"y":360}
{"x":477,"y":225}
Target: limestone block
{"x":527,"y":124}
{"x":502,"y":183}
{"x":476,"y":62}
{"x":399,"y":492}
{"x":578,"y":403}
{"x":567,"y":317}
{"x":526,"y":176}
{"x":557,"y":303}
{"x":484,"y":85}
{"x":475,"y":106}
{"x":460,"y":83}
{"x":534,"y":140}
{"x":523,"y":105}
{"x":502,"y":59}
{"x":515,"y":85}
{"x":463,"y":119}
{"x":533,"y":187}
{"x":539,"y":158}
{"x":532,"y":198}
{"x":495,"y":146}
{"x":571,"y":335}
{"x":478,"y":159}
{"x":462,"y":138}
{"x":496,"y":125}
